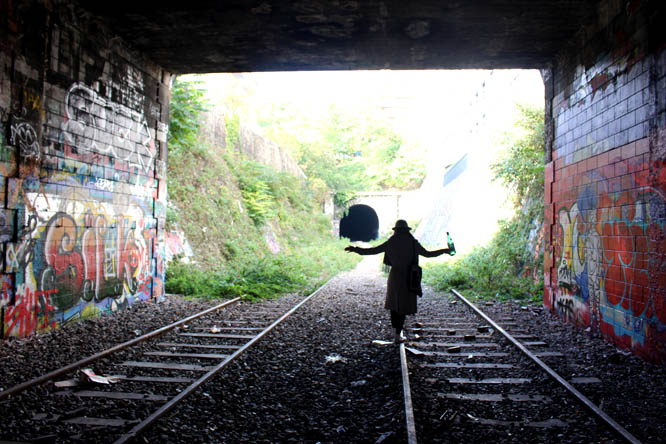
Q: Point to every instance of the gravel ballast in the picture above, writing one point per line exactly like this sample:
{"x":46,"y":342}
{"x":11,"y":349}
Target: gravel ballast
{"x":319,"y":378}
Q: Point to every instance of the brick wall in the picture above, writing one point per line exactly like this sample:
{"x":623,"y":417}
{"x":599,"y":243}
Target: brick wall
{"x":605,"y":263}
{"x":82,"y":169}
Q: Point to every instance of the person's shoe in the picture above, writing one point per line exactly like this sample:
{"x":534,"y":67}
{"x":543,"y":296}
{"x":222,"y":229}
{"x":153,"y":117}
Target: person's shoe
{"x":399,"y":338}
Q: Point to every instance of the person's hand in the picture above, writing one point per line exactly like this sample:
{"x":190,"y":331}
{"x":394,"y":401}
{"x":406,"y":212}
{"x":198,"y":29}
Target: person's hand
{"x":351,"y":249}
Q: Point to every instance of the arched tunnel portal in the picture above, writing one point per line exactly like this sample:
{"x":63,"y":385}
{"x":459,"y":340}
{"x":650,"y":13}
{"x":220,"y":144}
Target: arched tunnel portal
{"x":360,"y":224}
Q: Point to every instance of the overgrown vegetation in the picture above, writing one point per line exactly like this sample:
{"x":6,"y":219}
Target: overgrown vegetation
{"x":510,"y":265}
{"x":347,"y":149}
{"x":234,"y":210}
{"x":348,"y":152}
{"x":187,"y":104}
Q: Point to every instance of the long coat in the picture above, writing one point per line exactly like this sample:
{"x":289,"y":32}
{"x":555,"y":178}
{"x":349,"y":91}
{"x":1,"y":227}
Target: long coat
{"x":401,"y":250}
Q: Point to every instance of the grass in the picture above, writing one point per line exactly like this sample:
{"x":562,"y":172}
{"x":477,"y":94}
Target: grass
{"x":228,"y":207}
{"x":480,"y":276}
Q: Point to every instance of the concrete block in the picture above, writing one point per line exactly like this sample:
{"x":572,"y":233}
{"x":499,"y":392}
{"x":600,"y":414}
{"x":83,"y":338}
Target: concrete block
{"x":627,"y":182}
{"x":628,"y":120}
{"x":603,"y":132}
{"x":636,"y":132}
{"x":642,"y":146}
{"x":620,"y":108}
{"x":642,"y":113}
{"x":637,"y":69}
{"x":642,"y":81}
{"x":588,"y":114}
{"x":627,"y":90}
{"x":602,"y":159}
{"x":635,"y":101}
{"x":608,"y":114}
{"x":603,"y":105}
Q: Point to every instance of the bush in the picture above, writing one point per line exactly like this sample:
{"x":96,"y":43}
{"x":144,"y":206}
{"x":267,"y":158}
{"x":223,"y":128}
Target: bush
{"x":483,"y":277}
{"x":299,"y":271}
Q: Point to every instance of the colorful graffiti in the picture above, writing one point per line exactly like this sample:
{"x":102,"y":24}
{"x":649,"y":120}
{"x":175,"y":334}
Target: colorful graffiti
{"x":77,"y":253}
{"x":610,"y":246}
{"x":104,"y":260}
{"x":83,"y":239}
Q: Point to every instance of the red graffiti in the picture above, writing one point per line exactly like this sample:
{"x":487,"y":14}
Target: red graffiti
{"x":61,"y":252}
{"x":98,"y":265}
{"x":616,"y":253}
{"x":130,"y":254}
{"x":634,"y":256}
{"x":7,"y":295}
{"x":93,"y":248}
{"x":32,"y":313}
{"x":599,"y":81}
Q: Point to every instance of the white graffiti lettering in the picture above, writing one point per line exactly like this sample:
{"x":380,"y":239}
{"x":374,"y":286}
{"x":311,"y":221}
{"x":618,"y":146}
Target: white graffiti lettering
{"x":95,"y":124}
{"x":24,"y":136}
{"x":103,"y":184}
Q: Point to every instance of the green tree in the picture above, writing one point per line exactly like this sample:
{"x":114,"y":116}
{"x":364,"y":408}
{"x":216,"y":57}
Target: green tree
{"x":187,"y":105}
{"x":522,"y":163}
{"x":521,"y":168}
{"x":350,"y":152}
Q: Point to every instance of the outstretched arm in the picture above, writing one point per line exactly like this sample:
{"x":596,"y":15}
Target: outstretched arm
{"x":366,"y":251}
{"x":423,"y":252}
{"x":434,"y":253}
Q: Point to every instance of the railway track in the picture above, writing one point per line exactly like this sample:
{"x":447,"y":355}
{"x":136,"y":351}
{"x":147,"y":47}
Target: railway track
{"x":464,"y":382}
{"x":467,"y":377}
{"x":115,"y":395}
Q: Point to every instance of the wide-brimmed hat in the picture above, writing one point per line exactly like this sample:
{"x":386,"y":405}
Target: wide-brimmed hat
{"x":401,"y":225}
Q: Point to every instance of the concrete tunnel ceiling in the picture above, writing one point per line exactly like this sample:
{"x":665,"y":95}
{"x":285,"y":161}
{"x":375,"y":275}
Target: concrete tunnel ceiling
{"x":246,"y":36}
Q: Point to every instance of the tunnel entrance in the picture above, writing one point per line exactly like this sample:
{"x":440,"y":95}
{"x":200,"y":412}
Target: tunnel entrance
{"x":360,"y":224}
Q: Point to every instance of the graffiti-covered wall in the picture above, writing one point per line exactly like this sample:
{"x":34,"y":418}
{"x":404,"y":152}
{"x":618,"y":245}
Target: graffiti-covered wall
{"x":82,"y":163}
{"x":605,"y":265}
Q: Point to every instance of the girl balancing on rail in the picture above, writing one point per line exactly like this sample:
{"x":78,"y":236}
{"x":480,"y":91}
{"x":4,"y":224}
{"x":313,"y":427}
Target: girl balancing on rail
{"x":401,"y":252}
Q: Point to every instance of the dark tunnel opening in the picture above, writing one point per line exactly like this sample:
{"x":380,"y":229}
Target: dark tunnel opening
{"x":360,"y":224}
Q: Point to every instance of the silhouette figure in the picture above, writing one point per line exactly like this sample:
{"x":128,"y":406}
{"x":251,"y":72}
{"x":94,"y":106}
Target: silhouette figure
{"x":401,"y":250}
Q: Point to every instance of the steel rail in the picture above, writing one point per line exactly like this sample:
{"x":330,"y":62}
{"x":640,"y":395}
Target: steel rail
{"x":85,"y":361}
{"x":407,"y":392}
{"x":617,"y":428}
{"x":166,"y":408}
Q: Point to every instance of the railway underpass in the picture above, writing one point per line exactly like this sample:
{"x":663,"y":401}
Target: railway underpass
{"x":74,"y":74}
{"x":84,"y":98}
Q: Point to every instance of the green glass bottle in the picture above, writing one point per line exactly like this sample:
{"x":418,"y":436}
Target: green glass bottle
{"x":452,"y":247}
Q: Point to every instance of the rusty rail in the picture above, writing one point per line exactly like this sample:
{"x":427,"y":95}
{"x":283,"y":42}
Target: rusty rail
{"x":596,"y":411}
{"x":407,"y":393}
{"x":85,"y":361}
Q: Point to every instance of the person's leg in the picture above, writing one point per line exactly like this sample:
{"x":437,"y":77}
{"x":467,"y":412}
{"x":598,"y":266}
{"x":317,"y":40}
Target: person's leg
{"x":398,"y":322}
